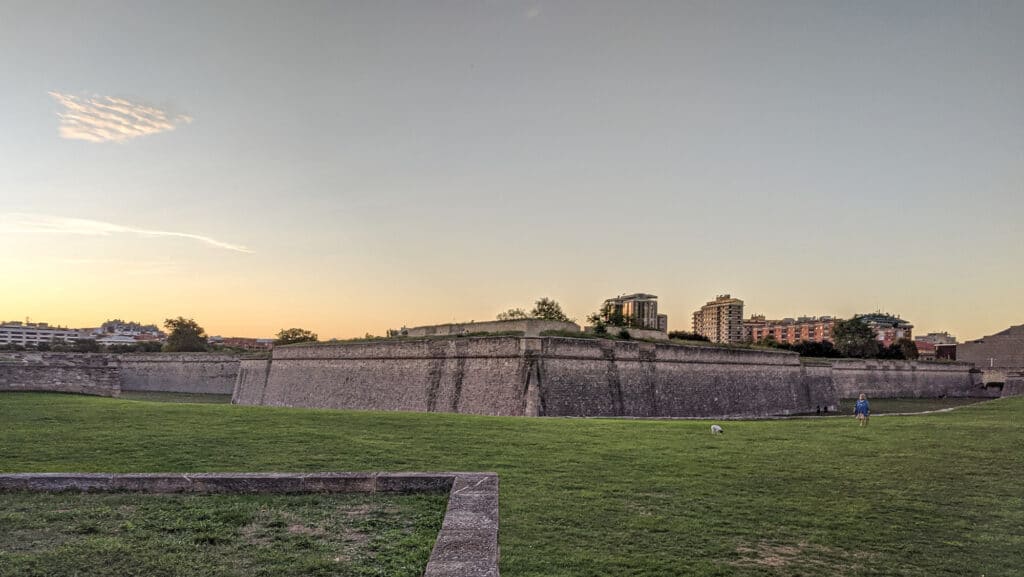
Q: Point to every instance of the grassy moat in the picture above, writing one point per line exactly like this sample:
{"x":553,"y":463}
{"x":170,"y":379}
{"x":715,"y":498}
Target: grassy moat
{"x":935,"y":494}
{"x":119,"y":534}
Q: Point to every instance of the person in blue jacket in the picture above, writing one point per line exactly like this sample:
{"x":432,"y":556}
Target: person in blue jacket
{"x":862,"y":410}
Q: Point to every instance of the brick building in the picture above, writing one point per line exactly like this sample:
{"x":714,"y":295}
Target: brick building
{"x":790,"y":331}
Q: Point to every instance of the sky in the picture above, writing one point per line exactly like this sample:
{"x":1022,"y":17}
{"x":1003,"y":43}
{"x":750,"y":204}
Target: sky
{"x":350,"y":167}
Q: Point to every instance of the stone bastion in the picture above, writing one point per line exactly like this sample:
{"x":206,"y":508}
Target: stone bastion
{"x":536,"y":376}
{"x":506,"y":375}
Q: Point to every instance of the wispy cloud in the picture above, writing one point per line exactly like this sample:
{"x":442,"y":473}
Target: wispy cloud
{"x":533,"y":12}
{"x":110,"y":119}
{"x":20,"y":223}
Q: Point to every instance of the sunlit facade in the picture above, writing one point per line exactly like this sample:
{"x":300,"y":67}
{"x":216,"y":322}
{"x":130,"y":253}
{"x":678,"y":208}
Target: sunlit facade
{"x":638,"y":310}
{"x":720,"y":320}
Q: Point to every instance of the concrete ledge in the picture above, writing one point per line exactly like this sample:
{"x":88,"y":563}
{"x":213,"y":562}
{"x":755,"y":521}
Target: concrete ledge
{"x":466,"y":546}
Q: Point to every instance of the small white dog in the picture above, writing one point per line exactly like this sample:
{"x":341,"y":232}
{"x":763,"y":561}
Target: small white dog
{"x":716,"y":430}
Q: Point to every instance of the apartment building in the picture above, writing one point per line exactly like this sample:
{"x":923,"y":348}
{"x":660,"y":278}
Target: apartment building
{"x":32,"y":334}
{"x":638,"y":310}
{"x":788,"y":330}
{"x":943,"y":338}
{"x":720,"y":320}
{"x":888,"y":328}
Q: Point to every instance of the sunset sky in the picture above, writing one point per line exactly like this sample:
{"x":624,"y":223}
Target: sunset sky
{"x":349,"y":167}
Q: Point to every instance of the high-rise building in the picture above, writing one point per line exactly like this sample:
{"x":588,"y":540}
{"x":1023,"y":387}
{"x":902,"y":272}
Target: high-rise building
{"x":720,"y":320}
{"x":638,"y":310}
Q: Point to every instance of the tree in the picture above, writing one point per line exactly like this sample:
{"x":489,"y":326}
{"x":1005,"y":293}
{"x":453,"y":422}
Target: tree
{"x":607,"y":316}
{"x":909,"y":349}
{"x":185,"y":336}
{"x":854,"y":338}
{"x":294,"y":335}
{"x":815,"y":349}
{"x":513,"y":314}
{"x":86,"y":346}
{"x":147,"y":347}
{"x":549,"y":310}
{"x":685,"y":336}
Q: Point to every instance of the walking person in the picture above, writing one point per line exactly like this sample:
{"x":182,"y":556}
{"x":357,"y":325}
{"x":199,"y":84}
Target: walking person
{"x":862,"y":410}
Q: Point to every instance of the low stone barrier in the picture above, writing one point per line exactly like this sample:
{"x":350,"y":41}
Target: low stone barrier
{"x":87,"y":374}
{"x":466,"y":546}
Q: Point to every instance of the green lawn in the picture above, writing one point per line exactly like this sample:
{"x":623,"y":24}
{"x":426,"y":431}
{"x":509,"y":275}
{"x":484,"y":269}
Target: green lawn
{"x":174,"y":397}
{"x":938,"y":494}
{"x":114,"y":535}
{"x":908,"y":405}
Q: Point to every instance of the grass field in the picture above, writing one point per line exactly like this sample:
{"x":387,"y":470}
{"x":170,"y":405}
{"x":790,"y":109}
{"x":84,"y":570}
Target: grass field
{"x":937,"y":494}
{"x":889,"y":406}
{"x":157,"y":397}
{"x":115,"y":535}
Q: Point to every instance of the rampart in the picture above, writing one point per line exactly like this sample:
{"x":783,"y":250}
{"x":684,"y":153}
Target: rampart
{"x":888,"y":379}
{"x":635,"y":333}
{"x":998,"y":355}
{"x":507,"y":375}
{"x":1014,"y":385}
{"x":550,"y":376}
{"x":60,"y":372}
{"x":179,"y":372}
{"x":527,"y":327}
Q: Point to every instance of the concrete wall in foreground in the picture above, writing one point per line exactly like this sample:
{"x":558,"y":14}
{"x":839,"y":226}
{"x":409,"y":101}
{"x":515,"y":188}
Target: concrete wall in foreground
{"x":889,"y":379}
{"x":60,"y":372}
{"x":550,"y":376}
{"x":211,"y":373}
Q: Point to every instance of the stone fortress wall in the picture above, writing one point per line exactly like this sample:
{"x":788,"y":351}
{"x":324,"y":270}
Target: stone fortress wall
{"x":998,"y":355}
{"x":210,"y":373}
{"x":556,"y":376}
{"x":635,"y":333}
{"x":505,"y":375}
{"x":89,"y":374}
{"x":1014,"y":386}
{"x":888,"y":379}
{"x":527,"y":327}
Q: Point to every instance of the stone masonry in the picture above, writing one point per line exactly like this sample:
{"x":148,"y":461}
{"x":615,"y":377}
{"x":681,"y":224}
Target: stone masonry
{"x":60,"y":372}
{"x":547,"y":376}
{"x":210,"y":373}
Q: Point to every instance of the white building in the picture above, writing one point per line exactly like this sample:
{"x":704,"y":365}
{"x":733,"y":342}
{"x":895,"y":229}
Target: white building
{"x":31,"y":334}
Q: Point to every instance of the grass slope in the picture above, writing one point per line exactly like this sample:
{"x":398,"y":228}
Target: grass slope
{"x":926,"y":495}
{"x":910,"y":405}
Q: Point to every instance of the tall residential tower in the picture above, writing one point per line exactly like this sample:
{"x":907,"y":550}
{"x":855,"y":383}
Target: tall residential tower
{"x":720,"y":320}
